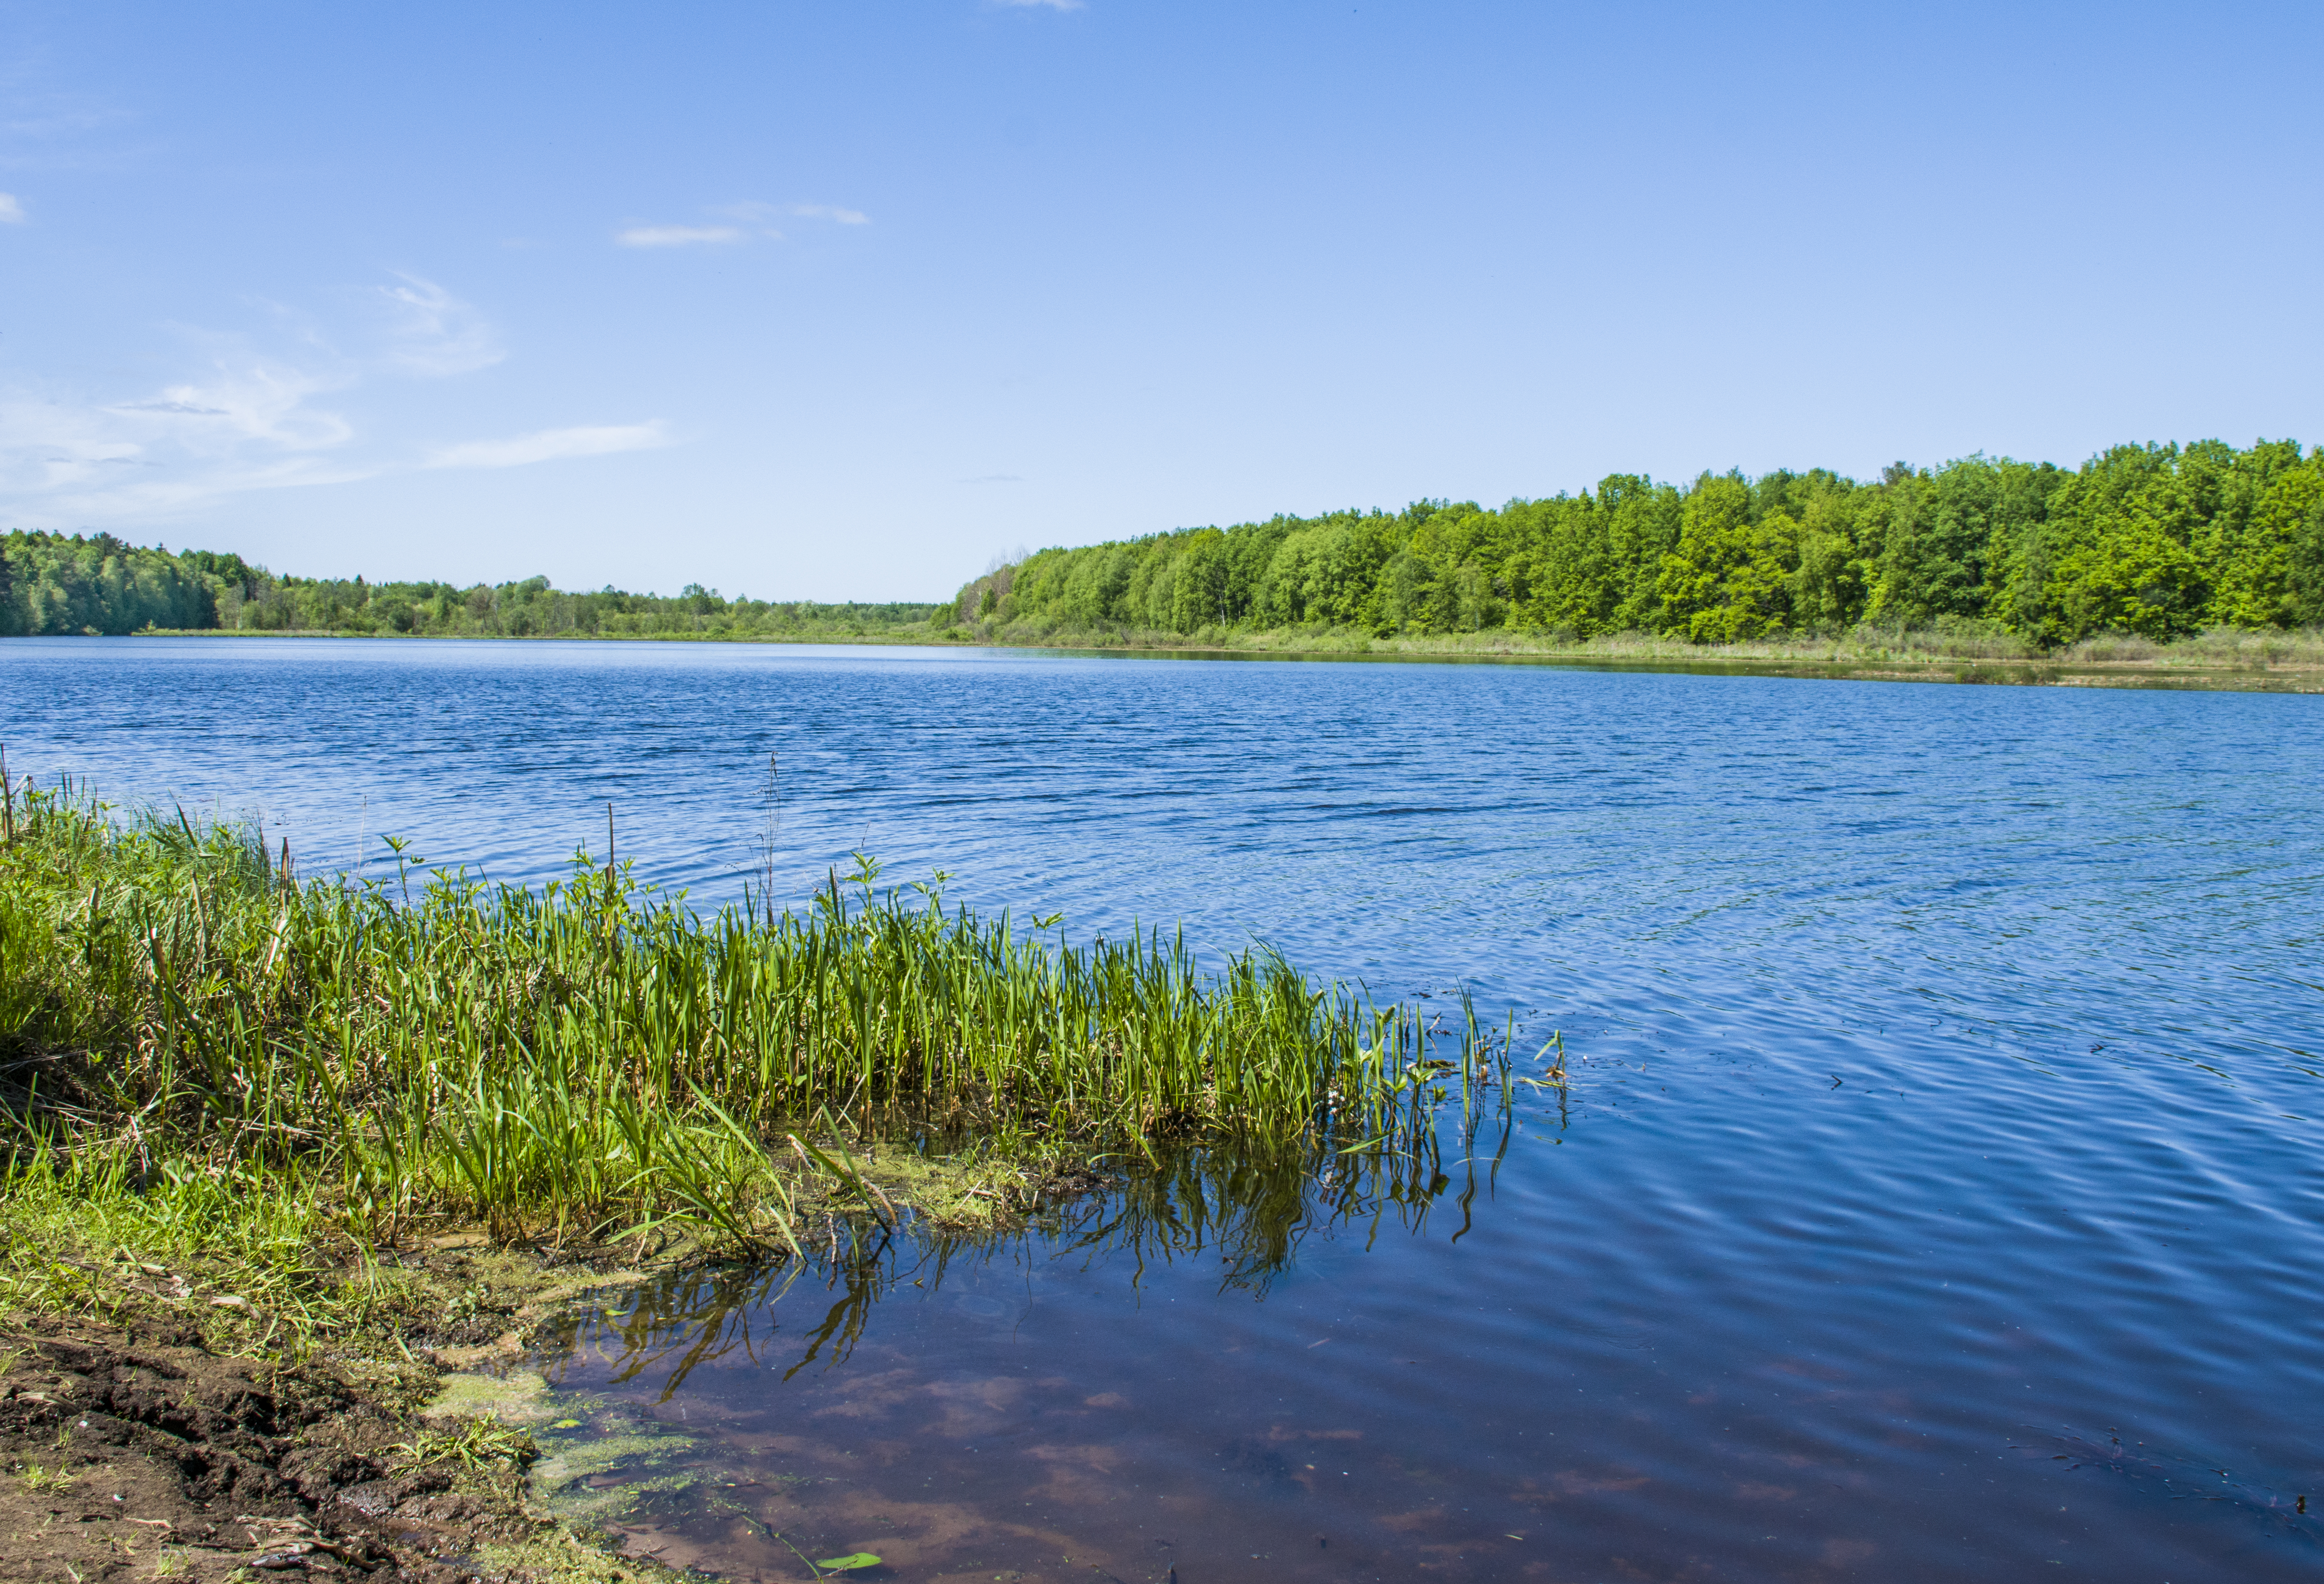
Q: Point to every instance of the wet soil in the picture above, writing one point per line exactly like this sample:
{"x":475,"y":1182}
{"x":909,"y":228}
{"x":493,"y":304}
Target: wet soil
{"x":152,"y":1446}
{"x":140,"y":1454}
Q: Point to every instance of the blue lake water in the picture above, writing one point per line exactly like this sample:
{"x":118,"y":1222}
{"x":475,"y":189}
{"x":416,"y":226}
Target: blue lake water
{"x":1937,"y":1196}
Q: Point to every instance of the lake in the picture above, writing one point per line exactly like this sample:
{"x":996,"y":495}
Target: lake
{"x":1938,"y":1193}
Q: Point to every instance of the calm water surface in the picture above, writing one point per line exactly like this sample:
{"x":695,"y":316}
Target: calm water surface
{"x":1937,"y":1197}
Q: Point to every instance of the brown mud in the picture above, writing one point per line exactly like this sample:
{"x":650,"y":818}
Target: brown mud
{"x":134,"y":1453}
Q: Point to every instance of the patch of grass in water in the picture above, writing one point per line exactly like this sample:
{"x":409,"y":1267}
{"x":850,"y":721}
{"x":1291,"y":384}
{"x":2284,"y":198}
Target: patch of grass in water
{"x":233,"y":1096}
{"x":480,"y":1441}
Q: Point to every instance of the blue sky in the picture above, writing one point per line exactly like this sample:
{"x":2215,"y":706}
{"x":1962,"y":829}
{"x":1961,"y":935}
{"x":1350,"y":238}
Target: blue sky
{"x":840,"y":300}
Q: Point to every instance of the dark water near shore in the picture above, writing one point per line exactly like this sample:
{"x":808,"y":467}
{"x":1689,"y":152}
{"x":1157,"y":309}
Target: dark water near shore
{"x":1939,"y":1196}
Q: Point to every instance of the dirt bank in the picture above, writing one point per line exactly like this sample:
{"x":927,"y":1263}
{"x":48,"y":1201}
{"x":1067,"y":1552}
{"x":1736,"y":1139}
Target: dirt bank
{"x":137,"y":1453}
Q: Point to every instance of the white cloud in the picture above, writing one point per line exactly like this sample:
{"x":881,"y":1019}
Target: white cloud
{"x":12,"y":213}
{"x":252,"y":423}
{"x":754,"y":214}
{"x":261,"y":401}
{"x":245,"y":417}
{"x":435,"y":334}
{"x":676,"y":236}
{"x":550,"y":445}
{"x":763,"y":216}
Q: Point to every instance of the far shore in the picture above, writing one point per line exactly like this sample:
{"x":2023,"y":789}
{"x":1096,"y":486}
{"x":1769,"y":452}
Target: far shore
{"x":2222,"y":661}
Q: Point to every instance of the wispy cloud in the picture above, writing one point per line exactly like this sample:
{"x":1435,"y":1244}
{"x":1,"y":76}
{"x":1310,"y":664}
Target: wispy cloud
{"x":250,"y":399}
{"x":749,"y":214}
{"x":249,"y":413}
{"x":435,"y":334}
{"x":253,"y":423}
{"x":550,"y":445}
{"x":676,"y":236}
{"x":12,"y":212}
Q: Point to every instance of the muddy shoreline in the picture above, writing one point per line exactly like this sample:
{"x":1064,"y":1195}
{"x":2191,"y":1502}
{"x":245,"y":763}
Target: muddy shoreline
{"x":142,"y":1447}
{"x":162,"y":1441}
{"x":138,"y":1453}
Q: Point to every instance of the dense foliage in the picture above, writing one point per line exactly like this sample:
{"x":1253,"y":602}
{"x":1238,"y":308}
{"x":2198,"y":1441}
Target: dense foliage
{"x":51,"y":583}
{"x":2159,"y":541}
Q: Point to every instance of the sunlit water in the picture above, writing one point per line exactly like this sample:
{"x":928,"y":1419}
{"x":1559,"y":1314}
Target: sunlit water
{"x":1937,"y":1196}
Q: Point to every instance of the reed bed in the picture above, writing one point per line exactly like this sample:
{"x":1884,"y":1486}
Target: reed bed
{"x":186,"y":1027}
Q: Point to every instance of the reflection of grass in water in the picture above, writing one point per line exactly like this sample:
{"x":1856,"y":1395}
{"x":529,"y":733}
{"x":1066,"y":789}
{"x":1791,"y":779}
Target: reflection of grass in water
{"x":1249,"y":1210}
{"x":1245,"y":1215}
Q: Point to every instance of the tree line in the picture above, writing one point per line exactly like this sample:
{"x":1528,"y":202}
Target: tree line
{"x":56,"y":584}
{"x":2161,"y":540}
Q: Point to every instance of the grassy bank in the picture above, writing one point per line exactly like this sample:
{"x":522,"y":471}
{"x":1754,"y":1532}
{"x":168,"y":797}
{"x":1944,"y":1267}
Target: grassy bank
{"x":2221,"y":657}
{"x":259,"y":1085}
{"x":294,"y":1171}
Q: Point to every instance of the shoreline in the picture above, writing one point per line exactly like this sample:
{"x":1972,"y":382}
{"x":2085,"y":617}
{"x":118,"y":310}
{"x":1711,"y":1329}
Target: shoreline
{"x":256,"y":1313}
{"x":2188,"y":672}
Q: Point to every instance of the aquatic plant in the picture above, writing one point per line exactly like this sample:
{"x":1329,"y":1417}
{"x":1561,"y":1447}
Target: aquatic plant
{"x":481,"y":1442}
{"x":196,"y":1030}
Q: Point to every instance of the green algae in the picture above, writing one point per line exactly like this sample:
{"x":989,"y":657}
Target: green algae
{"x":570,"y":1461}
{"x":564,"y":1560}
{"x":562,"y":1475}
{"x":519,"y":1397}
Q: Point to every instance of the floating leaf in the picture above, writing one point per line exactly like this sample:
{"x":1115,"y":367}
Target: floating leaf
{"x":566,"y":1424}
{"x":861,"y":1559}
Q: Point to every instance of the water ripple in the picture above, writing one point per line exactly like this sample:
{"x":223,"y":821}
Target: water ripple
{"x":1947,"y":1064}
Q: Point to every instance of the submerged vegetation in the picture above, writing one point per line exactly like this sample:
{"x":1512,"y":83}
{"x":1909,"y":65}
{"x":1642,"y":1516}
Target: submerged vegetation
{"x":2157,"y":541}
{"x":205,"y":1058}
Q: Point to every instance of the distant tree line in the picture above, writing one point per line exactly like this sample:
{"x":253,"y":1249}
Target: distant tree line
{"x":2159,"y":541}
{"x":52,"y":583}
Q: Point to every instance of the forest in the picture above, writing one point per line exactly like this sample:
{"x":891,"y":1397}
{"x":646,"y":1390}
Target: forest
{"x":2160,"y":541}
{"x":56,"y":584}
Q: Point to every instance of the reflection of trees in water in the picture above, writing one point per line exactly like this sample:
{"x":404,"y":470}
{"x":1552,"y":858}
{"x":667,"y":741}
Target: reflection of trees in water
{"x":1253,"y":1213}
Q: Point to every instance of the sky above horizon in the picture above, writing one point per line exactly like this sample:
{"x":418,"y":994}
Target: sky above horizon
{"x":841,"y":301}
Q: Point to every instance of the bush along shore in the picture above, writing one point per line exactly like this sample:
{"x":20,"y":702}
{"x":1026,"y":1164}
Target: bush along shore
{"x":281,"y":1153}
{"x":2146,"y":559}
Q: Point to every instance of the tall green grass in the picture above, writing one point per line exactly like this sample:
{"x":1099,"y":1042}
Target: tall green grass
{"x":592,"y":1060}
